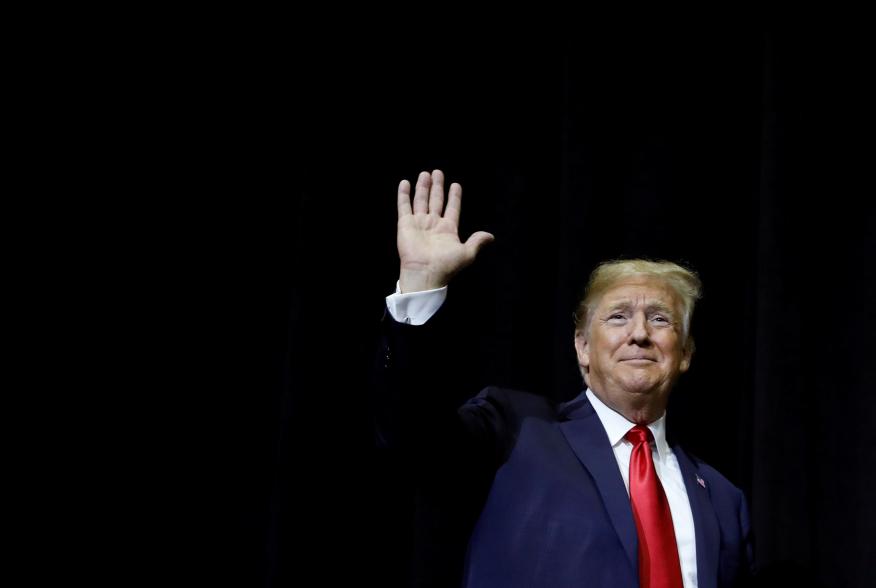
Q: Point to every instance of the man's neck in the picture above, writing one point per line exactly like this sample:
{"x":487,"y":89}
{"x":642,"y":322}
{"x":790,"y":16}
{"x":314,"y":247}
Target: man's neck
{"x":642,"y":414}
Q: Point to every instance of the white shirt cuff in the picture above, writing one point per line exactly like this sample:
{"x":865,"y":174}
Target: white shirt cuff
{"x":415,"y":308}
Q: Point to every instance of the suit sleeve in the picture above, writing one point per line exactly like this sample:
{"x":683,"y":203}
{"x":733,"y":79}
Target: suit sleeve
{"x":437,"y":454}
{"x":423,"y":409}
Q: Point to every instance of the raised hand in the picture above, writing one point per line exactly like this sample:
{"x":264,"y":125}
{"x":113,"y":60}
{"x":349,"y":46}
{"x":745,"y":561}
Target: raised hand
{"x":428,"y":234}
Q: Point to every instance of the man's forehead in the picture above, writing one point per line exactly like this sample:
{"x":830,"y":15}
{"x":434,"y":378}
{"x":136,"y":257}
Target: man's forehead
{"x":637,"y":291}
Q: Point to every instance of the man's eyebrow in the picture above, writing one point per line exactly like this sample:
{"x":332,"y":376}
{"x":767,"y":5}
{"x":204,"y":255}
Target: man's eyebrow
{"x":660,"y":307}
{"x":617,"y":304}
{"x":625,"y":303}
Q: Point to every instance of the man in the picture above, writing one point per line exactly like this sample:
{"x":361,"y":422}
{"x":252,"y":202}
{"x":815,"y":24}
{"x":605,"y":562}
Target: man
{"x":584,"y":493}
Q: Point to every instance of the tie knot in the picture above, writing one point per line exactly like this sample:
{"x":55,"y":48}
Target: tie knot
{"x":639,"y":434}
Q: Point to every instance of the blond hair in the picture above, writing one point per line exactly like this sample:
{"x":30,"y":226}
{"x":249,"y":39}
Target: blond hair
{"x":682,"y":280}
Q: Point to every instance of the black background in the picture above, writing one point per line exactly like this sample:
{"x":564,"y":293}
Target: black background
{"x":741,"y":150}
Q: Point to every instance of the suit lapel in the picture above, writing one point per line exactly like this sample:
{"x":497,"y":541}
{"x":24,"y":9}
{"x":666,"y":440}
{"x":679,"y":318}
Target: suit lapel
{"x":586,"y":435}
{"x":708,"y":535}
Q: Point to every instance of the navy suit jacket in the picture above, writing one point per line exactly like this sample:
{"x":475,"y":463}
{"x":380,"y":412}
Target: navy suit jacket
{"x":556,"y":512}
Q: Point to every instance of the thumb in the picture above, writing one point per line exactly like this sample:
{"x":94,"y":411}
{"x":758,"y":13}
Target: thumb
{"x":476,"y":241}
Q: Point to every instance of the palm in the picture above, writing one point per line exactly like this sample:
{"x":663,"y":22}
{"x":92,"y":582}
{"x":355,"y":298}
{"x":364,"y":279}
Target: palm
{"x":430,"y":240}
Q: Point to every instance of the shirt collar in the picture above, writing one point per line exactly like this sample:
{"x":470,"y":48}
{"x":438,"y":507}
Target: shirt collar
{"x":616,"y":425}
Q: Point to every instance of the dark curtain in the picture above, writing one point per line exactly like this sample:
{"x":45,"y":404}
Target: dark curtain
{"x":742,"y":152}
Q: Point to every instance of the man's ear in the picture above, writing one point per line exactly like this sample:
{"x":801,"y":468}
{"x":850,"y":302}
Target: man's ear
{"x":687,"y":355}
{"x":582,"y":349}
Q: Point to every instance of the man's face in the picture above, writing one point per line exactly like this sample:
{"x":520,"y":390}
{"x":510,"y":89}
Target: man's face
{"x":633,"y":352}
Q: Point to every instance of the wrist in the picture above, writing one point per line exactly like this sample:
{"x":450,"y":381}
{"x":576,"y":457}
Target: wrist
{"x":419,"y":279}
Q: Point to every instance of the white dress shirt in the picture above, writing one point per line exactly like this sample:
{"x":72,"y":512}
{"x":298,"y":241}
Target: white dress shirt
{"x":416,"y":308}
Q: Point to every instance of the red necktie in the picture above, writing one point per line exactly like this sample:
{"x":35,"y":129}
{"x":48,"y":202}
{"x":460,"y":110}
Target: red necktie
{"x":658,"y":552}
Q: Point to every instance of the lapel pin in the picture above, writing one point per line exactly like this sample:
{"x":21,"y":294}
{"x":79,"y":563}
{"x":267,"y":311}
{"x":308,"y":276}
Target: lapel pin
{"x":700,"y":481}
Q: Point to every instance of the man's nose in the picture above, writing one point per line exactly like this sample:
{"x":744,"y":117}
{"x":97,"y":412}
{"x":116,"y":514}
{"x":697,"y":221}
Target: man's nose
{"x":639,"y":330}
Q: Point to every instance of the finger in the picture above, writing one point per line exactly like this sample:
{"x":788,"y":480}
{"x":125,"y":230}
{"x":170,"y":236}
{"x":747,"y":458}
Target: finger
{"x":436,"y":195}
{"x":404,"y":198}
{"x":476,"y":242}
{"x":421,"y":195}
{"x":454,"y":203}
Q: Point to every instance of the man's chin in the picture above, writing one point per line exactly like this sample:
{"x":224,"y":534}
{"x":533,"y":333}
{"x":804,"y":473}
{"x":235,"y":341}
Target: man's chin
{"x":640,"y":386}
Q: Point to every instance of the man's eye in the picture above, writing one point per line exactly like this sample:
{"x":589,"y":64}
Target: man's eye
{"x":616,"y":316}
{"x":661,"y":319}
